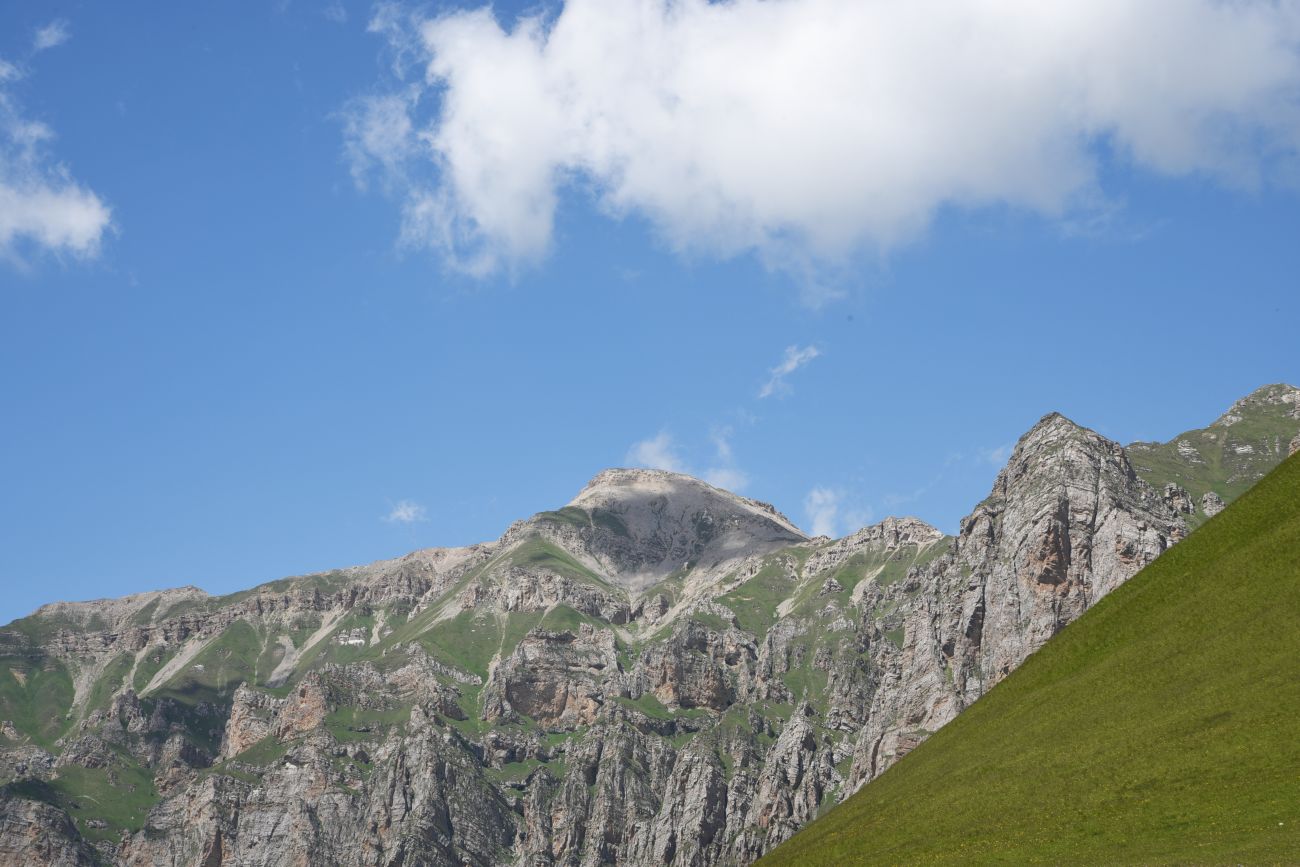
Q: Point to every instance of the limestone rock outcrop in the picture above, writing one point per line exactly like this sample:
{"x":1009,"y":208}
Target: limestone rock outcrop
{"x":658,"y":673}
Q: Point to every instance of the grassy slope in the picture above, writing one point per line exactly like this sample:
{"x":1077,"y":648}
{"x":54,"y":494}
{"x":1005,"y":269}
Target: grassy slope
{"x":1161,"y":727}
{"x":1218,"y":467}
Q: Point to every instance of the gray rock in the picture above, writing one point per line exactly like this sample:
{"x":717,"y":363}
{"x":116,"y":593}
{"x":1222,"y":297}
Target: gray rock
{"x":1212,"y":504}
{"x":658,"y":673}
{"x":1177,"y":499}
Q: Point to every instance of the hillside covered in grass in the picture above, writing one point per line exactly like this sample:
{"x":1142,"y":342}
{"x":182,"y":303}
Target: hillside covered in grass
{"x":1160,"y":727}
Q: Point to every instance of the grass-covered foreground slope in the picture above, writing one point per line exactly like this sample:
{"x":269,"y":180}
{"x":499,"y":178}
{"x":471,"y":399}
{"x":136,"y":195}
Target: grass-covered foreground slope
{"x":1163,"y":726}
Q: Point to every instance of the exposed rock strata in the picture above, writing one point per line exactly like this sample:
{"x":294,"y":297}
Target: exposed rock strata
{"x":658,"y":673}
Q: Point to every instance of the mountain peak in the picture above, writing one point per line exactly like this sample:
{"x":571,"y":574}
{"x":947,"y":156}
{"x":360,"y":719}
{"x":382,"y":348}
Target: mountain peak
{"x":639,"y":526}
{"x":1054,"y":427}
{"x":619,"y":486}
{"x":1278,"y":399}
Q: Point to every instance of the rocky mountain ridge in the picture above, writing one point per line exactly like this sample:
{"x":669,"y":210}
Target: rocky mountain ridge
{"x":658,"y":672}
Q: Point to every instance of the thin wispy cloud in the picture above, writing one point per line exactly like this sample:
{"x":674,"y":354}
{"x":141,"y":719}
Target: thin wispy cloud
{"x":379,"y":138}
{"x":42,"y":208}
{"x":805,"y":131}
{"x":51,"y":35}
{"x":407,"y":512}
{"x":795,"y":358}
{"x":997,"y":456}
{"x":336,"y":12}
{"x":724,"y":473}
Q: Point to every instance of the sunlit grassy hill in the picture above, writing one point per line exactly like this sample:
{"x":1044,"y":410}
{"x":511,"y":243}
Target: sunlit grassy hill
{"x":1161,"y":727}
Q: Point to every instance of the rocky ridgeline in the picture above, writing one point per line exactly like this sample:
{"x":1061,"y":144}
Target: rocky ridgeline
{"x":1207,"y":468}
{"x":660,"y":672}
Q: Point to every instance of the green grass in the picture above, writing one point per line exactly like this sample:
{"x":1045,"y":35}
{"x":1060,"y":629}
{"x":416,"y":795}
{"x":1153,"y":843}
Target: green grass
{"x":713,"y":621}
{"x":265,"y":752}
{"x":228,"y":661}
{"x":36,"y":695}
{"x":582,"y":519}
{"x":119,"y":795}
{"x":648,"y":704}
{"x":1158,"y":728}
{"x":110,"y":681}
{"x":537,"y":553}
{"x":344,"y":723}
{"x":755,"y":602}
{"x":150,"y":665}
{"x":467,"y":641}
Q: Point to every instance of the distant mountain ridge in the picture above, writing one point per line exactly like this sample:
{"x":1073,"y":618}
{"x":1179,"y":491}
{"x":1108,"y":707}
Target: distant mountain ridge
{"x":658,"y":672}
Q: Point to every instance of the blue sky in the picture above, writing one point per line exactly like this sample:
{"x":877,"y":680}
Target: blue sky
{"x":232,"y":349}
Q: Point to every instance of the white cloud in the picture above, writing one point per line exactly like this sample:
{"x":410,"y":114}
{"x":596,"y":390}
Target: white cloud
{"x":806,"y":130}
{"x":336,"y":12}
{"x":378,"y":136}
{"x":822,"y":505}
{"x":829,"y":512}
{"x":407,"y":512}
{"x":657,"y":453}
{"x":725,"y":474}
{"x":997,"y":457}
{"x":661,"y":452}
{"x":51,"y":35}
{"x":795,"y":358}
{"x":721,"y":438}
{"x":727,"y":478}
{"x":41,"y":206}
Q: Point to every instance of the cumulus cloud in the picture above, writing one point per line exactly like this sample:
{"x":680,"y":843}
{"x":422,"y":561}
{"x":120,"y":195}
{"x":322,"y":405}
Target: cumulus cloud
{"x":51,"y":35}
{"x":795,"y":358}
{"x":822,"y":505}
{"x":41,"y":206}
{"x":727,"y":478}
{"x":724,"y":473}
{"x":659,"y":452}
{"x":830,"y":512}
{"x":807,"y":130}
{"x":406,"y":512}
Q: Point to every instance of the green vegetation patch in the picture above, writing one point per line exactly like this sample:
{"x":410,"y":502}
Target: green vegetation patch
{"x":537,"y":553}
{"x":648,"y":704}
{"x":213,"y":675}
{"x":103,"y":802}
{"x":713,"y":621}
{"x":755,"y":602}
{"x":1228,"y":459}
{"x":110,"y":681}
{"x":467,"y":641}
{"x":570,"y":515}
{"x":36,"y":695}
{"x":1158,"y":728}
{"x":359,"y":724}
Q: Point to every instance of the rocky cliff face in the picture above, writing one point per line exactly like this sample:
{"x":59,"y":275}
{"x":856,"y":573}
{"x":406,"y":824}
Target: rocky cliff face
{"x":658,"y":673}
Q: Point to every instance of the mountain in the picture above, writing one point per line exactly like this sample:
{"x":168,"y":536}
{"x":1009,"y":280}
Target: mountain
{"x":1158,"y":728}
{"x":657,"y":672}
{"x":1201,"y":470}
